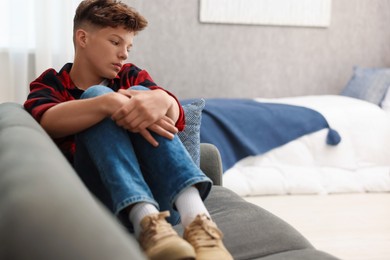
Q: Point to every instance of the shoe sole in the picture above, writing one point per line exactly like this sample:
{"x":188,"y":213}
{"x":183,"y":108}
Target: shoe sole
{"x":175,"y":254}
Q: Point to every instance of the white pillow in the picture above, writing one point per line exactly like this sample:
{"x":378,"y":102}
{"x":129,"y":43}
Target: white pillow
{"x":385,"y":104}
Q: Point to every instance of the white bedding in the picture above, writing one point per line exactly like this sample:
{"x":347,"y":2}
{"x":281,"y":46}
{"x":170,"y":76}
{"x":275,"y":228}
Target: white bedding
{"x":359,"y":163}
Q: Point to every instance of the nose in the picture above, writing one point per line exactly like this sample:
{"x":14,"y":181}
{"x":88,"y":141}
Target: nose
{"x":123,"y":54}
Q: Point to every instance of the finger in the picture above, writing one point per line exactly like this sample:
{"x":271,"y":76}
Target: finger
{"x":169,"y":120}
{"x":167,"y":127}
{"x":138,"y":122}
{"x":122,"y":112}
{"x":134,"y":92}
{"x":161,"y":131}
{"x":144,"y":124}
{"x":125,"y":92}
{"x":168,"y":124}
{"x":171,"y":128}
{"x":123,"y":121}
{"x":128,"y":115}
{"x":142,"y":121}
{"x":146,"y":134}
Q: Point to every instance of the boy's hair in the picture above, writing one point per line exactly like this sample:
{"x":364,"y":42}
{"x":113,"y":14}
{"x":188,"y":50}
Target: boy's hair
{"x":108,"y":13}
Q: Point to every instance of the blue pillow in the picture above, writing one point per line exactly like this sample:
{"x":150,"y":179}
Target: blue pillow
{"x":190,"y":136}
{"x":368,"y":84}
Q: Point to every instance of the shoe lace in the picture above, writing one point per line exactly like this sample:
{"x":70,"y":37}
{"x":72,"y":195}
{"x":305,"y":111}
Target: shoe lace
{"x":203,"y":233}
{"x":156,"y":229}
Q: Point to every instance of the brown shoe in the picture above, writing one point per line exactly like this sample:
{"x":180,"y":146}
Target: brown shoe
{"x":204,"y":235}
{"x":160,"y":241}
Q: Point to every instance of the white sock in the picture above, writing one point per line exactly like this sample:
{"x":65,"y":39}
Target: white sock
{"x":138,"y":212}
{"x":190,"y":204}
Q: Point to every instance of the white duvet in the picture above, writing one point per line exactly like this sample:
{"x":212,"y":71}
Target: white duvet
{"x":359,"y":163}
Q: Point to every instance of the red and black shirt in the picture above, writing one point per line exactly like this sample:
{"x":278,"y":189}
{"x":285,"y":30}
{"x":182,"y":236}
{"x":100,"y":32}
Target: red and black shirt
{"x":52,"y":88}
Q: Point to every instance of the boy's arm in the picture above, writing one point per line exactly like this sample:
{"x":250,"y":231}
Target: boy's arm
{"x":154,"y":110}
{"x":74,"y":116}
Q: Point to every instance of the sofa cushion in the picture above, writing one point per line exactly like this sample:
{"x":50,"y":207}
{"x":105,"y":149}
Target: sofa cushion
{"x":304,"y":254}
{"x":250,"y":231}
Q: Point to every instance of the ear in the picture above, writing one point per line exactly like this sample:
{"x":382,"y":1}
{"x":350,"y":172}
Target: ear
{"x":81,"y":37}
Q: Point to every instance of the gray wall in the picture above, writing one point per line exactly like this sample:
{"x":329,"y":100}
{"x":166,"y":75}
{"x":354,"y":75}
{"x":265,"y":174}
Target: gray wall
{"x":193,"y":59}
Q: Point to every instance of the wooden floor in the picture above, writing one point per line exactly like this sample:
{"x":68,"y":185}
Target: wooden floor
{"x":348,"y":226}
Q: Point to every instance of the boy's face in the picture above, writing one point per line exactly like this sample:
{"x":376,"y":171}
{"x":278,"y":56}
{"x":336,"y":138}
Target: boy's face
{"x":106,"y":49}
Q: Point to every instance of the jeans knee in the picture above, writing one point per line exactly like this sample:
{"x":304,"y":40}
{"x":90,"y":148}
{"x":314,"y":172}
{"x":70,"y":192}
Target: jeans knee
{"x":95,"y":91}
{"x":139,"y":87}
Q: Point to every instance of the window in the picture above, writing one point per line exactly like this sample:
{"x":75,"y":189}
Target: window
{"x":35,"y":35}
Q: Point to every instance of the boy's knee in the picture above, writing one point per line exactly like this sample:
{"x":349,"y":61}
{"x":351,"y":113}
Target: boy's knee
{"x":138,"y":87}
{"x":95,"y":91}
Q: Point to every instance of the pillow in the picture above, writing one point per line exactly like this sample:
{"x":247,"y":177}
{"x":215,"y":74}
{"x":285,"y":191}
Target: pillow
{"x":386,"y":101}
{"x":368,"y":84}
{"x":190,"y":136}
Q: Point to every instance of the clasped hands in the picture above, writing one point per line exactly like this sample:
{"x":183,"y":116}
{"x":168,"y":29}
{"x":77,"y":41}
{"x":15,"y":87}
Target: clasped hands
{"x":144,"y":111}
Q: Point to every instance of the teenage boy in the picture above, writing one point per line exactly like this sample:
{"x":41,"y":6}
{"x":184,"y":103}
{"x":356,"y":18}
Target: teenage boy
{"x":118,"y":129}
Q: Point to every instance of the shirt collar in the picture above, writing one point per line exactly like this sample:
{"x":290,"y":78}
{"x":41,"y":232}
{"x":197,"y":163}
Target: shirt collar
{"x":68,"y":83}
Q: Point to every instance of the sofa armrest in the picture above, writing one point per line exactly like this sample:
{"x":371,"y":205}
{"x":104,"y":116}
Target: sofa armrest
{"x":45,"y":210}
{"x":211,"y":163}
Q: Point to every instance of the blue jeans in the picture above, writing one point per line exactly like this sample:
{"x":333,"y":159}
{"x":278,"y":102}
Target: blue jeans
{"x":121,"y":168}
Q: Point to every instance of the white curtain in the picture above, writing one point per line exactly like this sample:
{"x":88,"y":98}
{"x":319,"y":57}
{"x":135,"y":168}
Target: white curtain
{"x":34,"y":35}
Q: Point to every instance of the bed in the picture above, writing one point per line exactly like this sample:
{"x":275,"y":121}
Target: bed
{"x":333,"y":190}
{"x":357,"y":160}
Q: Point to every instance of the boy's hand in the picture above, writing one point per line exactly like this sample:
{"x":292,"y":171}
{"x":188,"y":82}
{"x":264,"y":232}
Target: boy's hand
{"x":144,"y":111}
{"x":164,"y":127}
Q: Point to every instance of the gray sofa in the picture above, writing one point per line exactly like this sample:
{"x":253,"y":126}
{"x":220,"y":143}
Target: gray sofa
{"x":47,"y":213}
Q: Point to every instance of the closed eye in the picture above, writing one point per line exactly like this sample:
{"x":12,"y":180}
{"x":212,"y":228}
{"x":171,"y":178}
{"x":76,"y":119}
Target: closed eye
{"x":115,"y":43}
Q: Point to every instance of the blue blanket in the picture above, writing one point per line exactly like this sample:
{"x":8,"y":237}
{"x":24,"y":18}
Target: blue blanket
{"x":244,"y":127}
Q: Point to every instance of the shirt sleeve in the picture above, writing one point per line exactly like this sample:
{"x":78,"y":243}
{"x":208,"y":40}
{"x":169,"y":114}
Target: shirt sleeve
{"x":45,"y":92}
